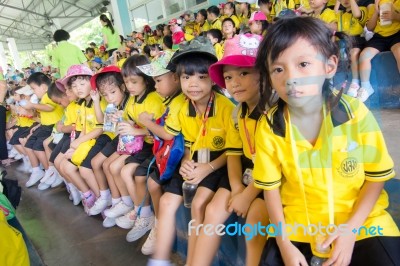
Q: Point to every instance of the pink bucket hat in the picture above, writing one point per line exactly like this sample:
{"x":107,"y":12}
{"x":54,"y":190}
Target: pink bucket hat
{"x":240,"y":51}
{"x":74,"y":70}
{"x":257,"y":15}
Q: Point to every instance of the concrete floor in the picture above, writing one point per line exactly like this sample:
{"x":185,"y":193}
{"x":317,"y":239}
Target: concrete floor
{"x":64,"y":235}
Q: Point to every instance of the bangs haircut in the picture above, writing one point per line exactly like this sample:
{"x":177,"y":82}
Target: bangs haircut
{"x":129,"y":68}
{"x":53,"y":91}
{"x":191,"y":65}
{"x":110,"y":78}
{"x":74,"y":78}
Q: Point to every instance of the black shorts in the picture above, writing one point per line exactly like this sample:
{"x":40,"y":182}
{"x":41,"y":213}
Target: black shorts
{"x":143,"y":168}
{"x":61,"y":147}
{"x":383,"y":43}
{"x":142,"y":155}
{"x":380,"y":250}
{"x":110,"y":147}
{"x":358,"y":42}
{"x":35,"y":141}
{"x":101,"y":141}
{"x":22,"y":132}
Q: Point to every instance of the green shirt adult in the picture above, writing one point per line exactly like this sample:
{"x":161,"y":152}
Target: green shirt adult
{"x":113,"y":41}
{"x":65,"y":55}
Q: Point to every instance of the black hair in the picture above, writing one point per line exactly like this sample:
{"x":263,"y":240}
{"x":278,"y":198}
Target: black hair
{"x":248,"y":9}
{"x":215,"y":33}
{"x":39,"y":78}
{"x":283,"y":34}
{"x":92,"y":43}
{"x":129,"y":68}
{"x":192,"y":63}
{"x":61,"y":35}
{"x":203,"y":12}
{"x":134,"y":50}
{"x":160,"y":27}
{"x":213,"y":10}
{"x":146,"y":50}
{"x":108,"y":22}
{"x":155,"y":46}
{"x":167,"y":41}
{"x":108,"y":78}
{"x":89,"y":49}
{"x":53,"y":91}
{"x":228,"y":20}
{"x":263,"y":2}
{"x":72,"y":79}
{"x":232,"y":5}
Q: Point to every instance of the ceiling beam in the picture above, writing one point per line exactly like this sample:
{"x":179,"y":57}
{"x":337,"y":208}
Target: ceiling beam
{"x":23,"y":10}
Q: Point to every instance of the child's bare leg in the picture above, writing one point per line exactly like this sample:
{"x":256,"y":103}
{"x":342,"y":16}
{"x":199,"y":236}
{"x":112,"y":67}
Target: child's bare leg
{"x":115,"y":170}
{"x":88,"y":175}
{"x":155,"y":191}
{"x":115,"y":194}
{"x":216,"y":213}
{"x":202,"y":197}
{"x":396,"y":52}
{"x":254,"y":246}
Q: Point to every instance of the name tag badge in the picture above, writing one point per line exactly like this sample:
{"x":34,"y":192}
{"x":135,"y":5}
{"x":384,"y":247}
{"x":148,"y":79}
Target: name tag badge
{"x":247,"y":176}
{"x":203,"y":155}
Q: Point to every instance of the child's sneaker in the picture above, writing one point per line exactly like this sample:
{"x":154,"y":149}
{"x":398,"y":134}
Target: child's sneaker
{"x":76,"y":196}
{"x":34,"y":178}
{"x":353,"y":90}
{"x":108,"y":222}
{"x":99,"y":206}
{"x":57,"y":180}
{"x":142,"y":225}
{"x":150,"y":244}
{"x":363,"y":94}
{"x":88,"y":202}
{"x":45,"y":182}
{"x":118,"y":210}
{"x":12,"y":153}
{"x":156,"y":262}
{"x":127,"y":221}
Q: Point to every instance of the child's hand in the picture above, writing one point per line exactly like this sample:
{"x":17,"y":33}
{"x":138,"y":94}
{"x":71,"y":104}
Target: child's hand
{"x":377,"y":6}
{"x":145,"y":117}
{"x":75,"y":144}
{"x":200,"y":171}
{"x":124,"y":128}
{"x":389,"y":14}
{"x":342,"y":249}
{"x":59,"y":126}
{"x":186,"y":169}
{"x":95,"y":95}
{"x":291,"y":255}
{"x":68,"y":154}
{"x":28,"y":105}
{"x":116,"y":116}
{"x":239,"y":204}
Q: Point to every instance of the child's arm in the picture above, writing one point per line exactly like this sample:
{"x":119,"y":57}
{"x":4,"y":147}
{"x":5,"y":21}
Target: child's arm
{"x":201,"y":170}
{"x":85,"y":137}
{"x":146,"y":119}
{"x":290,"y":254}
{"x":94,"y":94}
{"x":344,"y":244}
{"x":235,"y":173}
{"x":355,"y":9}
{"x":62,"y":128}
{"x":125,"y":128}
{"x":371,"y":23}
{"x":39,"y":106}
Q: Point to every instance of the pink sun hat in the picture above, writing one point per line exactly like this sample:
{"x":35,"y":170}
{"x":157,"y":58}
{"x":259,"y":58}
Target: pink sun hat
{"x":257,"y":15}
{"x":240,"y":51}
{"x":74,"y":70}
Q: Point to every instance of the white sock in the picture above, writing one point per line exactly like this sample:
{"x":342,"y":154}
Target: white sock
{"x":115,"y":201}
{"x":366,"y":85}
{"x":127,"y":200}
{"x":36,"y":169}
{"x":52,"y":168}
{"x":155,"y":262}
{"x":355,"y":81}
{"x":145,"y":211}
{"x":105,"y":194}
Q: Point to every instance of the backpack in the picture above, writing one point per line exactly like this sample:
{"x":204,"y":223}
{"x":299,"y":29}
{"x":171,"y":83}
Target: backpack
{"x":168,"y":153}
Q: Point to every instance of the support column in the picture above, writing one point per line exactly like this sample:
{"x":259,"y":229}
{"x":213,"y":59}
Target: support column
{"x":12,"y":46}
{"x":121,"y":17}
{"x":3,"y":61}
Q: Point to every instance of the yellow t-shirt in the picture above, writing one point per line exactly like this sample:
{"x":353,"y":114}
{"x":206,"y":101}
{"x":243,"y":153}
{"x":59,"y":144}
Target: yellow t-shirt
{"x":279,"y":5}
{"x":150,"y":102}
{"x":52,"y":117}
{"x":189,"y":27}
{"x":237,"y":141}
{"x":87,"y":116}
{"x":386,"y":30}
{"x":236,"y":20}
{"x":327,"y":15}
{"x":24,"y":121}
{"x":172,"y":124}
{"x":358,"y":153}
{"x":351,"y":25}
{"x":216,"y":24}
{"x":201,"y":28}
{"x":72,"y":112}
{"x":216,"y":126}
{"x":219,"y":50}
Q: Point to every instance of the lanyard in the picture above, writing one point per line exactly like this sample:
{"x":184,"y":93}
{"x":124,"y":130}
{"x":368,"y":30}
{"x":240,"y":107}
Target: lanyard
{"x":251,"y":146}
{"x":206,"y":114}
{"x":329,"y":175}
{"x":203,"y":129}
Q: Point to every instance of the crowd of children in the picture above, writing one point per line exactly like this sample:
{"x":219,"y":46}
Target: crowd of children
{"x":276,"y":66}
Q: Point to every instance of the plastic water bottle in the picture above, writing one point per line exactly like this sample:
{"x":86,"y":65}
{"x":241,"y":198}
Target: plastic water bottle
{"x":109,"y":125}
{"x":189,"y":190}
{"x":317,"y":260}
